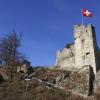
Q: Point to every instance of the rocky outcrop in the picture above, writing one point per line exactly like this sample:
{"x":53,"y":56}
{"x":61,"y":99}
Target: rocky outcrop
{"x":5,"y":73}
{"x":76,"y":81}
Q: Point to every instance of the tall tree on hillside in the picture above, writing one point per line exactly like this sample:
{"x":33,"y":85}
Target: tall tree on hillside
{"x":9,"y":46}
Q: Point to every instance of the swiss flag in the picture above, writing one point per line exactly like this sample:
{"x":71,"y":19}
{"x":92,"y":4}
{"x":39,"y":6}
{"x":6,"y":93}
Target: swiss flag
{"x":86,"y":13}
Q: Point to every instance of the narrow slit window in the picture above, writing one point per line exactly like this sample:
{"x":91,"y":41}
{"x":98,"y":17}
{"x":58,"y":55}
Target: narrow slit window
{"x":87,"y":54}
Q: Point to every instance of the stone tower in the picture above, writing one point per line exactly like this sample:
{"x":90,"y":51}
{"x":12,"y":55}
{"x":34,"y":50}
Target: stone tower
{"x":85,"y":46}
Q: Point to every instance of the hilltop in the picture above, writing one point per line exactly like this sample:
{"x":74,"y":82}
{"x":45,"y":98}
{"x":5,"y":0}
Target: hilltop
{"x":19,"y":88}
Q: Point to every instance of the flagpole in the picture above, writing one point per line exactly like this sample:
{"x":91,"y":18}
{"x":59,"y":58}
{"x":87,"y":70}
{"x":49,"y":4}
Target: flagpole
{"x":82,"y":16}
{"x":82,"y":20}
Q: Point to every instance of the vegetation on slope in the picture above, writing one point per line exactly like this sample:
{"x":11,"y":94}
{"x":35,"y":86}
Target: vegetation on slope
{"x":20,"y":89}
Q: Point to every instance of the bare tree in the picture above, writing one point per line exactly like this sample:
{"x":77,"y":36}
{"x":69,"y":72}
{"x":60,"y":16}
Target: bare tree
{"x":9,"y":46}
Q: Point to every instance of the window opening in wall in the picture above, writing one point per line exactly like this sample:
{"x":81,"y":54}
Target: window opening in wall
{"x":75,"y":38}
{"x":83,"y":41}
{"x":87,"y":54}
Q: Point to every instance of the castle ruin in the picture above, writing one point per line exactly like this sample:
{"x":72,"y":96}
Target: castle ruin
{"x":83,"y":52}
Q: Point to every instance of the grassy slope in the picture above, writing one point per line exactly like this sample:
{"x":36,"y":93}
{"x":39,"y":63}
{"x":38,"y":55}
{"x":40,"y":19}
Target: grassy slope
{"x":16,"y":89}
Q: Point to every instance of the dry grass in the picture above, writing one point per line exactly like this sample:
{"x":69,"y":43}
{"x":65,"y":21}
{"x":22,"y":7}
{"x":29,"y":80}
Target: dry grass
{"x":16,"y":89}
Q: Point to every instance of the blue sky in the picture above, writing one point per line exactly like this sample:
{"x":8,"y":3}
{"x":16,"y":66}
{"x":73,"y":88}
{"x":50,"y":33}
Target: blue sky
{"x":46,"y":25}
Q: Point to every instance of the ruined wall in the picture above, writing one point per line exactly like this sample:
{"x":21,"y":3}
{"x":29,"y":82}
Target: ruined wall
{"x":23,"y":68}
{"x":66,"y":58}
{"x":77,"y":81}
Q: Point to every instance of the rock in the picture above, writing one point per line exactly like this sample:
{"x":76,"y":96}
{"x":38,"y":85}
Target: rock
{"x":3,"y":74}
{"x":58,"y":79}
{"x":97,"y":83}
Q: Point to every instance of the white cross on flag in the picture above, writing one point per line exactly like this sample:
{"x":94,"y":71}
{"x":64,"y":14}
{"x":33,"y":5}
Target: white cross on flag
{"x":86,"y":13}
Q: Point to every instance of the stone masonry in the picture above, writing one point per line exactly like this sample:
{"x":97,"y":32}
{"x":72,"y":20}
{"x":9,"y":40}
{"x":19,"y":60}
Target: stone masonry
{"x":83,"y":52}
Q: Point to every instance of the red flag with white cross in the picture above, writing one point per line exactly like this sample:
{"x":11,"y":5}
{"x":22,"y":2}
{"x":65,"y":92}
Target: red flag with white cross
{"x":86,"y":13}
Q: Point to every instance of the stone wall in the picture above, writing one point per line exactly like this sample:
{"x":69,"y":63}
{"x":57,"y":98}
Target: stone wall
{"x":66,"y":58}
{"x":76,"y":81}
{"x":23,"y":68}
{"x":85,"y":44}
